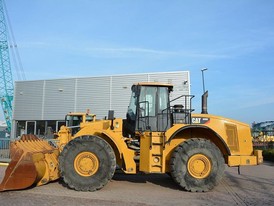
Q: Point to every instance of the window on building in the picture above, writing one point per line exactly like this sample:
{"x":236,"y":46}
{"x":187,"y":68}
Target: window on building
{"x":59,"y":124}
{"x":30,"y":127}
{"x":20,"y":129}
{"x":50,"y":129}
{"x":40,"y":128}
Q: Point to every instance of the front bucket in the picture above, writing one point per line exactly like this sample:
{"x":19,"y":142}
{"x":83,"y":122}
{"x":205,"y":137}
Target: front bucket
{"x":33,"y":162}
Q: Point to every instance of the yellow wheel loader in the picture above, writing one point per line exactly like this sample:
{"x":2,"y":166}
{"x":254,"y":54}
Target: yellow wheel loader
{"x":158,"y":135}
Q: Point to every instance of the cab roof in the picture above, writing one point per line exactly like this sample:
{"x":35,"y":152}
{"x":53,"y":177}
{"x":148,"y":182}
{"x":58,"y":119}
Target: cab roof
{"x":159,"y":84}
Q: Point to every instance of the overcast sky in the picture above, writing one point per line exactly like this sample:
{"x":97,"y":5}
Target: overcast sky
{"x":234,"y":39}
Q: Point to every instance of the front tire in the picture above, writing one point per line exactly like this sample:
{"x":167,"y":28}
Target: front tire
{"x":197,"y":165}
{"x":87,"y":163}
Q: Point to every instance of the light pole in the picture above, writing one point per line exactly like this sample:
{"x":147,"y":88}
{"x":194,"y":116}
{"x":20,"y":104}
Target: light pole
{"x":202,"y":70}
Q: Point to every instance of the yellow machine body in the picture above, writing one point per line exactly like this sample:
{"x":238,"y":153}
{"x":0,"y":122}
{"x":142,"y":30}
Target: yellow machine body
{"x":233,"y":138}
{"x":34,"y":161}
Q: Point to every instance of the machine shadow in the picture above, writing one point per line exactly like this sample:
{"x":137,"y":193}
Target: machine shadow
{"x":163,"y":180}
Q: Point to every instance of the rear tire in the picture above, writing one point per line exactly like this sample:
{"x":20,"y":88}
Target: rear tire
{"x":197,"y":165}
{"x":87,"y":163}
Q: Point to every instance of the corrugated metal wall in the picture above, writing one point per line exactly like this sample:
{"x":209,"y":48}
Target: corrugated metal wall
{"x":52,"y":99}
{"x":28,"y":99}
{"x":58,"y":98}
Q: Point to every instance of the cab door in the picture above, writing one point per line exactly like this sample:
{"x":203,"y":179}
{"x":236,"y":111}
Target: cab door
{"x":153,"y":109}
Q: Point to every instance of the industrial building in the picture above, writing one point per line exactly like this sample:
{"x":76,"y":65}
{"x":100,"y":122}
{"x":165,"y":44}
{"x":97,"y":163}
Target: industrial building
{"x":40,"y":106}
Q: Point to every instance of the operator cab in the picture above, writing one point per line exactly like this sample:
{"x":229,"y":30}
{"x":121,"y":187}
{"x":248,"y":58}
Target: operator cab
{"x":150,"y":109}
{"x":73,"y":120}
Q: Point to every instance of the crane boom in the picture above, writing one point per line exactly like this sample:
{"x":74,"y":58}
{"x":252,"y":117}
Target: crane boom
{"x":6,"y":81}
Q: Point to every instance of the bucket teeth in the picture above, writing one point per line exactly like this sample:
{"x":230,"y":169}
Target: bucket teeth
{"x":25,"y":137}
{"x":33,"y":162}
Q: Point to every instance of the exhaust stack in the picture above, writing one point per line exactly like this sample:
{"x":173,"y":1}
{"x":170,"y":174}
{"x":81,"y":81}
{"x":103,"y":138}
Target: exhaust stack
{"x":204,"y":103}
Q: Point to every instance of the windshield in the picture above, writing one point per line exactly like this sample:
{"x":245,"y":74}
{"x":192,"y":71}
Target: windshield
{"x":73,"y":120}
{"x":89,"y":118}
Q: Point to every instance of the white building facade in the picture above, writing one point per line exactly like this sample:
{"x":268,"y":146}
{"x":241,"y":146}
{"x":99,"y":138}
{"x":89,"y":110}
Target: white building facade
{"x":40,"y":106}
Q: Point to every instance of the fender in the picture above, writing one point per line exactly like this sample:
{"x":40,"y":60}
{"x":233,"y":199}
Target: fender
{"x":191,"y":127}
{"x":125,"y":153}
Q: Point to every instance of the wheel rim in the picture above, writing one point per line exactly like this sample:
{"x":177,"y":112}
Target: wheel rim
{"x":199,"y":166}
{"x":86,"y":164}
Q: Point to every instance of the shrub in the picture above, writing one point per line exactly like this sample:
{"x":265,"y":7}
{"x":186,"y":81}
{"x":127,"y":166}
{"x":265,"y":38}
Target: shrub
{"x":268,"y":154}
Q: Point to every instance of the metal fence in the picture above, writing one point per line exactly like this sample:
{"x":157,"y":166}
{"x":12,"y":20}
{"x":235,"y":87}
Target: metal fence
{"x":4,"y":149}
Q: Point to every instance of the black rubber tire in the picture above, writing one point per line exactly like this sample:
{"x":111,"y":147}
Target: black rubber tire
{"x":105,"y":155}
{"x":179,"y":160}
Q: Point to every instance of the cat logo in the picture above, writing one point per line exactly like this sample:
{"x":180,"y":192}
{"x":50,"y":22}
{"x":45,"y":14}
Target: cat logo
{"x":200,"y":120}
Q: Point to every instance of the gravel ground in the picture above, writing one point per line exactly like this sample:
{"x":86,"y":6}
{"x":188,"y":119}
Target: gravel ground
{"x":255,"y":186}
